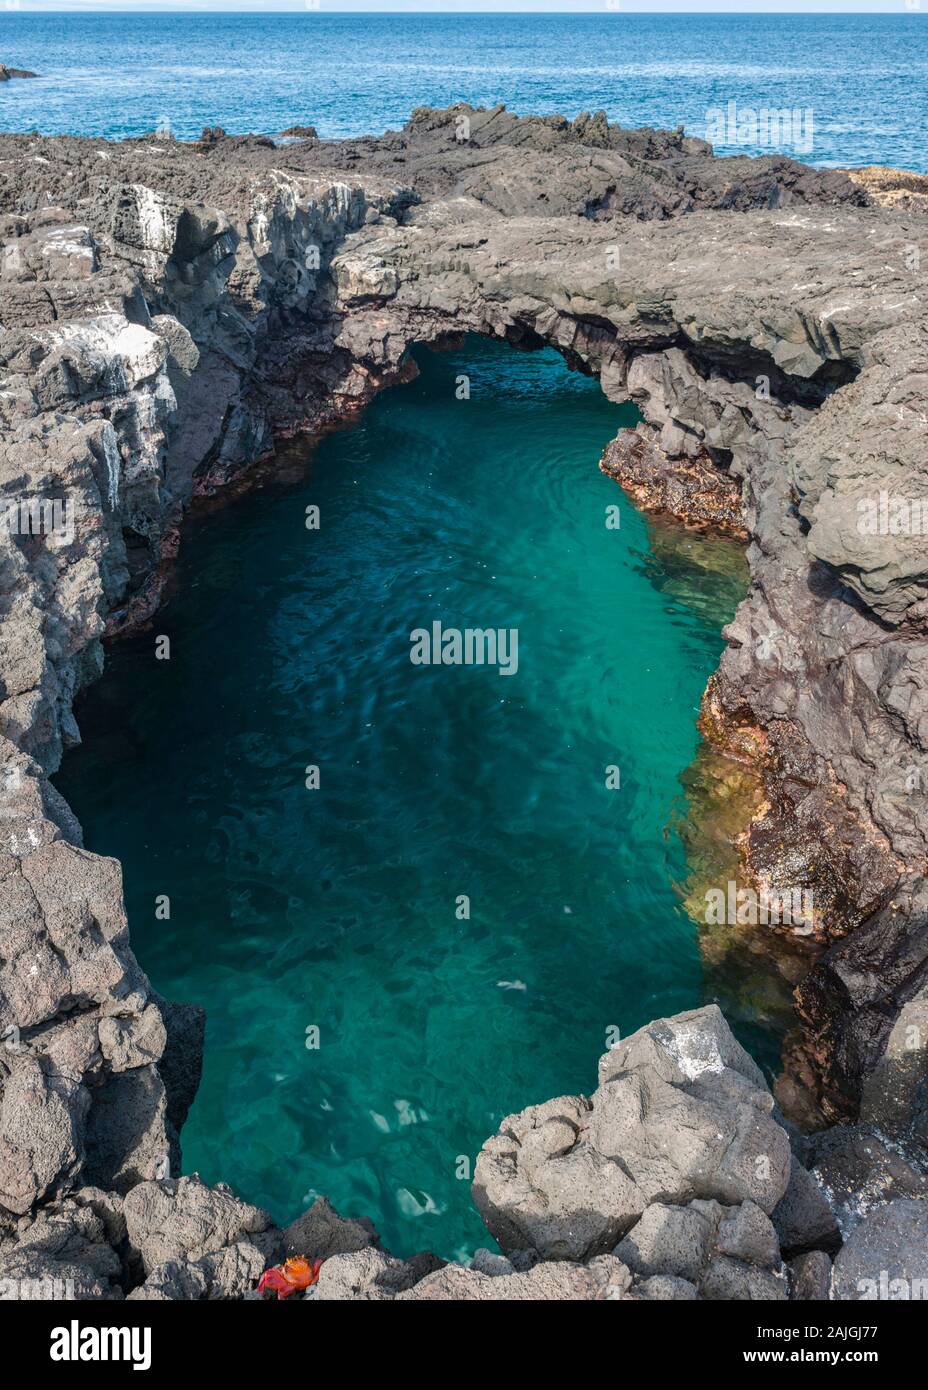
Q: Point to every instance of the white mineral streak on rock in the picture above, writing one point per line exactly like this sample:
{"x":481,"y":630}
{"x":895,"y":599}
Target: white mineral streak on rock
{"x":695,"y":1051}
{"x":131,"y":353}
{"x":112,"y":460}
{"x":157,"y":222}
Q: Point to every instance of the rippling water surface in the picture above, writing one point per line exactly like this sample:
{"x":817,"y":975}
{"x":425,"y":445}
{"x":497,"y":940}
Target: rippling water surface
{"x":336,"y":908}
{"x":865,"y":77}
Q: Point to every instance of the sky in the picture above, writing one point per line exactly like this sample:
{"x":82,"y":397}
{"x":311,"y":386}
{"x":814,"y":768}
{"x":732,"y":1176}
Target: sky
{"x":483,"y":6}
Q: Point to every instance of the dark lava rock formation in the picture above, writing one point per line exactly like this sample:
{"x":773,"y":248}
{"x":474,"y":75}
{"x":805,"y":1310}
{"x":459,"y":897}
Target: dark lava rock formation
{"x":168,"y":311}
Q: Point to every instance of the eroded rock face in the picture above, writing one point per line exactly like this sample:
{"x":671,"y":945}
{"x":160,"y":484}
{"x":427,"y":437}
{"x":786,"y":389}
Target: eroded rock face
{"x":102,"y":432}
{"x":695,"y":490}
{"x":81,"y":1093}
{"x":168,"y":310}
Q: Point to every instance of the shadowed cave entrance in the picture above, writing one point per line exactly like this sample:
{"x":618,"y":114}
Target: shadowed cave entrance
{"x":339,"y":909}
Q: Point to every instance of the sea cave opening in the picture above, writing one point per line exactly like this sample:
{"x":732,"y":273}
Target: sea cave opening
{"x":452,"y":918}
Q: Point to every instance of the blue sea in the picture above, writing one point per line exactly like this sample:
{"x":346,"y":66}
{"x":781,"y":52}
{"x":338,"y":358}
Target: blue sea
{"x":864,"y":77}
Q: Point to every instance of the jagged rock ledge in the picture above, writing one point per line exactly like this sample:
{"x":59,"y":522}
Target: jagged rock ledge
{"x":169,"y":310}
{"x":696,"y":491}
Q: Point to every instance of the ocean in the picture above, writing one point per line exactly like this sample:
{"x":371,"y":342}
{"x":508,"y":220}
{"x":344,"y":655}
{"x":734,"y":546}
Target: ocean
{"x":863,"y":78}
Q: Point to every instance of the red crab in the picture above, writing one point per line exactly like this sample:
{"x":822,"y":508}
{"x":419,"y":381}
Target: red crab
{"x":290,"y":1277}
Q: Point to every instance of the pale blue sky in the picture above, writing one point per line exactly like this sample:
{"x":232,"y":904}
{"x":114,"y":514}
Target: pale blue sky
{"x":484,"y":6}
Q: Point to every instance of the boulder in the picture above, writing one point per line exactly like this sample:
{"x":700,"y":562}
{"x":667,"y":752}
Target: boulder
{"x":541,"y":1185}
{"x":230,"y":1273}
{"x":604,"y":1278}
{"x":810,"y":1277}
{"x":672,"y":1240}
{"x":183,"y":1219}
{"x":745,"y":1233}
{"x":175,"y":1281}
{"x":320,"y":1233}
{"x":681,"y":1112}
{"x":803,"y":1219}
{"x":886,"y":1255}
{"x":664,"y":1288}
{"x":857,"y":1170}
{"x":493,"y":1265}
{"x":891,"y":1090}
{"x":368,"y":1275}
{"x":108,"y":1206}
{"x":719,"y":1252}
{"x":31,"y":1276}
{"x":128,"y":1136}
{"x":72,"y":1233}
{"x":732,"y":1280}
{"x":234,"y":1270}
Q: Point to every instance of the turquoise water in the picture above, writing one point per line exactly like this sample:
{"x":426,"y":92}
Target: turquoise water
{"x":864,"y":76}
{"x":335,"y":908}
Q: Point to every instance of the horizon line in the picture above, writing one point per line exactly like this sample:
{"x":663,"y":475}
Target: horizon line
{"x":101,"y":7}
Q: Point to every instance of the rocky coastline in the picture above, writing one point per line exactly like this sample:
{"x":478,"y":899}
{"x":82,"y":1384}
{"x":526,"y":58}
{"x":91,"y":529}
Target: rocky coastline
{"x":167,"y":312}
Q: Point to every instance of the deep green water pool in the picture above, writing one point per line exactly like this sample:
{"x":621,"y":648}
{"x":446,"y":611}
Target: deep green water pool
{"x":337,"y":908}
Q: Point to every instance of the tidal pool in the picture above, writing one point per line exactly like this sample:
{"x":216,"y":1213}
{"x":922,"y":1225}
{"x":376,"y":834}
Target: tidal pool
{"x":342,"y":908}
